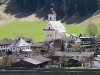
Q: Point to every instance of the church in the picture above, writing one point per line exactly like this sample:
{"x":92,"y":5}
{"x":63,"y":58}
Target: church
{"x":54,"y":29}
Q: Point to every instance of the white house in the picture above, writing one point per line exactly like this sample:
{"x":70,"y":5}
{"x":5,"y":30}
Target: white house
{"x":19,"y":44}
{"x":4,"y":45}
{"x":96,"y":63}
{"x":54,"y":29}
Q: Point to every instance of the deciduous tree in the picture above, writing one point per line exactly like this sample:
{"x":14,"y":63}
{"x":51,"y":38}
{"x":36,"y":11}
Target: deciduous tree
{"x":64,"y":60}
{"x":92,"y":30}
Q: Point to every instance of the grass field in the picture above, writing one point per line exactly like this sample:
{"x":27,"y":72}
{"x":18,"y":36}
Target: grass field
{"x":34,"y":29}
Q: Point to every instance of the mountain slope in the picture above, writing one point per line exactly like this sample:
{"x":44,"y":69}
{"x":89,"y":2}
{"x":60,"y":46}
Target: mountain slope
{"x":9,"y":12}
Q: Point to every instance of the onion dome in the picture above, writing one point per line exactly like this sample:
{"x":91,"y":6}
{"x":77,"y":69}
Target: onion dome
{"x":52,"y":9}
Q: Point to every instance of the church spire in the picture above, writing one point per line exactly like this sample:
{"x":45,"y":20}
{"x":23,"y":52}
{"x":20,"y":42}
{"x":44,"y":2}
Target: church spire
{"x":52,"y":14}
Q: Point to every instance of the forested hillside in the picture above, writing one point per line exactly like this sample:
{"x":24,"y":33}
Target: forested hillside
{"x":69,"y":11}
{"x":62,"y":7}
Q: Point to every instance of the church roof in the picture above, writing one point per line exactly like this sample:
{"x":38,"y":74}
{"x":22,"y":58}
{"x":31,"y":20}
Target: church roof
{"x":19,"y":42}
{"x":57,"y":25}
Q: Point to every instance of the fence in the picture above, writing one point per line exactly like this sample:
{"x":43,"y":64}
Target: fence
{"x":49,"y":72}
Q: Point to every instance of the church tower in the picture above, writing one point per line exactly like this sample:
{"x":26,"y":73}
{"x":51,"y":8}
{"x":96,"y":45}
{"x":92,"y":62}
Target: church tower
{"x":52,"y":14}
{"x":54,"y":29}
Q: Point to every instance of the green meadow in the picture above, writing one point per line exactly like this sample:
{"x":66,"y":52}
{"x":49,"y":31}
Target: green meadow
{"x":34,"y":29}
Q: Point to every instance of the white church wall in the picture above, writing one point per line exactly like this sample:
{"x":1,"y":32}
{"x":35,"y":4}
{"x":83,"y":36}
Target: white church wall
{"x":49,"y":35}
{"x":49,"y":26}
{"x":52,"y":17}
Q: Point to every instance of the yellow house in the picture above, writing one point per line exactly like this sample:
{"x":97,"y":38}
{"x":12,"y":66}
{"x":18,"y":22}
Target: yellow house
{"x":54,"y":29}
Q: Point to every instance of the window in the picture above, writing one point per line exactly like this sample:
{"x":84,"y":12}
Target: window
{"x":50,"y":35}
{"x":47,"y":35}
{"x":50,"y":18}
{"x":3,"y":50}
{"x":49,"y":28}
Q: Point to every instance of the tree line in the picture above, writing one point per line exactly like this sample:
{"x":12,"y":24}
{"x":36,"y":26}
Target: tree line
{"x":62,"y":7}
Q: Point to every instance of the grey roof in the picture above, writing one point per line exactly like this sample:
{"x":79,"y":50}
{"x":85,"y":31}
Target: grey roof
{"x":57,"y":25}
{"x":19,"y":42}
{"x":6,"y":42}
{"x":37,"y":44}
{"x":30,"y":60}
{"x":79,"y":58}
{"x":68,"y":39}
{"x":59,"y":53}
{"x":14,"y":57}
{"x":98,"y":59}
{"x":41,"y":58}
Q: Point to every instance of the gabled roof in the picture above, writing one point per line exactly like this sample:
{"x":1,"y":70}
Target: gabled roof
{"x":19,"y":42}
{"x":27,"y":57}
{"x":85,"y":54}
{"x":57,"y":25}
{"x":41,"y":58}
{"x":68,"y":39}
{"x":26,"y":39}
{"x":37,"y":44}
{"x":6,"y":42}
{"x":30,"y":60}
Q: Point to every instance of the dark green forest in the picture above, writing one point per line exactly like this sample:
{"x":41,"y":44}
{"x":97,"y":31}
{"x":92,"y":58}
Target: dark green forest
{"x":62,"y":7}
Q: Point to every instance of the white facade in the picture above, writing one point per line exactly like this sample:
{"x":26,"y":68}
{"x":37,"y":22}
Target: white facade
{"x":4,"y":48}
{"x":18,"y":45}
{"x":54,"y":30}
{"x":95,"y":64}
{"x":52,"y":17}
{"x":4,"y":45}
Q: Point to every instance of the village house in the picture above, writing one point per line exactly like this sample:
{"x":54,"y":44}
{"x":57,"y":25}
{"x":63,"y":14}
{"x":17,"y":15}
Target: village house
{"x":54,"y":29}
{"x":37,"y":45}
{"x":5,"y":44}
{"x":29,"y":61}
{"x":72,"y":56}
{"x":98,"y":49}
{"x":69,"y":44}
{"x":88,"y":39}
{"x":43,"y":47}
{"x":95,"y":63}
{"x":72,"y":47}
{"x":18,"y":45}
